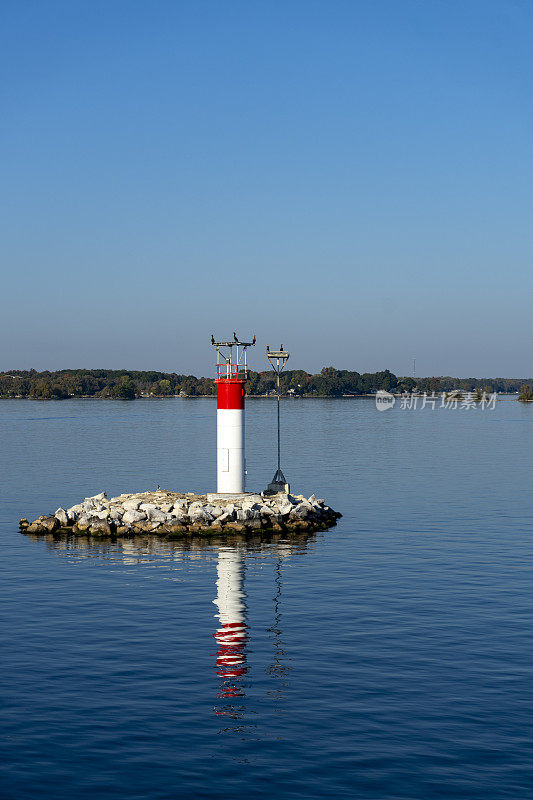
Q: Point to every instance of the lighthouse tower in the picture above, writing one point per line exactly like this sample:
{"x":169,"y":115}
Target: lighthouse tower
{"x":230,"y":380}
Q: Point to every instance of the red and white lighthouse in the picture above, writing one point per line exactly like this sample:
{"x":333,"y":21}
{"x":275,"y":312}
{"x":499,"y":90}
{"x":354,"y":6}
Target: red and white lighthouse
{"x":230,"y":380}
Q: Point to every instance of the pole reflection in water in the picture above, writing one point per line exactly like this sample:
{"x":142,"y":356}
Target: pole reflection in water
{"x":279,"y":669}
{"x":232,"y":633}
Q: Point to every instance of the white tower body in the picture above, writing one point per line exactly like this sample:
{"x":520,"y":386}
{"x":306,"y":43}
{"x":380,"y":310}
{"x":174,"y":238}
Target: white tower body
{"x":230,"y":450}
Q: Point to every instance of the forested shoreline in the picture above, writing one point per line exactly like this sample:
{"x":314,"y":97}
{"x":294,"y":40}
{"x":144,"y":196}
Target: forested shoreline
{"x":131,"y":384}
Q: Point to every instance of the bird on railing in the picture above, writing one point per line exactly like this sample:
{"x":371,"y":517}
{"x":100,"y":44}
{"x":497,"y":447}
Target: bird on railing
{"x":235,"y":337}
{"x":212,"y":339}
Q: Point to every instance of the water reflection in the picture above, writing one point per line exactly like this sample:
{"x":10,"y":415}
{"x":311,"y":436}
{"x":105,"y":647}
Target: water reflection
{"x":279,"y":668}
{"x":232,"y":634}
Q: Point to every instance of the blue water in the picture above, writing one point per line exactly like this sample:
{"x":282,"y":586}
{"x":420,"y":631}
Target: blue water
{"x":390,"y":657}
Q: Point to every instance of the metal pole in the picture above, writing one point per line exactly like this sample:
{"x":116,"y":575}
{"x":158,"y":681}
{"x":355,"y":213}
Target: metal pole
{"x":278,"y":359}
{"x":279,"y":437}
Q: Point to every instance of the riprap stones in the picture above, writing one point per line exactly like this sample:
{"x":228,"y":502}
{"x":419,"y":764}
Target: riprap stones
{"x":169,"y":514}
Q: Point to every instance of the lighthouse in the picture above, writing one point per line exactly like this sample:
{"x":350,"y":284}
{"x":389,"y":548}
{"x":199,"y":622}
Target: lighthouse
{"x":230,"y":379}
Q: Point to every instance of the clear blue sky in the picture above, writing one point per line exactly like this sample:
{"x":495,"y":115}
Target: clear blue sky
{"x":353,"y":179}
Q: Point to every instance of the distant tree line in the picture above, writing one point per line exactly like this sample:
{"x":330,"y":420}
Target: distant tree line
{"x":330,"y":382}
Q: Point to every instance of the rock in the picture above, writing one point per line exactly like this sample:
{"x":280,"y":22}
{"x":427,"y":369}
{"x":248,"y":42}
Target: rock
{"x":303,"y":510}
{"x":197,"y":513}
{"x":157,"y":516}
{"x":197,"y":527}
{"x":143,"y":526}
{"x":35,"y":527}
{"x":74,"y":512}
{"x":153,"y":513}
{"x":131,"y":505}
{"x":165,"y":513}
{"x":133,"y":516}
{"x":101,"y":527}
{"x":61,"y":516}
{"x":176,"y":527}
{"x":180,"y":517}
{"x":237,"y":527}
{"x":253,"y":509}
{"x":300,"y":525}
{"x":23,"y":524}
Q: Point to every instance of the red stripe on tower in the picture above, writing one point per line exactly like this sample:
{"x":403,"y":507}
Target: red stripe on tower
{"x":230,"y":393}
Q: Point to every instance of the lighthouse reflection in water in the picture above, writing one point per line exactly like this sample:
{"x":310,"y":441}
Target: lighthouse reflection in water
{"x":232,"y":633}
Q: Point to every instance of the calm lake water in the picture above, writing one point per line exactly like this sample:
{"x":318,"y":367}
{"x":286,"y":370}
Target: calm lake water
{"x":390,"y":657}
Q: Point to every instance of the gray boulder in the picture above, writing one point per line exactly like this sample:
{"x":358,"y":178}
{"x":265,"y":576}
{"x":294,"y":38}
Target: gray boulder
{"x":131,"y":505}
{"x":132,"y":516}
{"x":303,"y":511}
{"x":74,"y":512}
{"x":157,"y":516}
{"x":101,"y":526}
{"x":62,"y":517}
{"x":197,"y":513}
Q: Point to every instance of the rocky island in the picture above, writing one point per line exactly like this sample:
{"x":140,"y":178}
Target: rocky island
{"x":174,"y":514}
